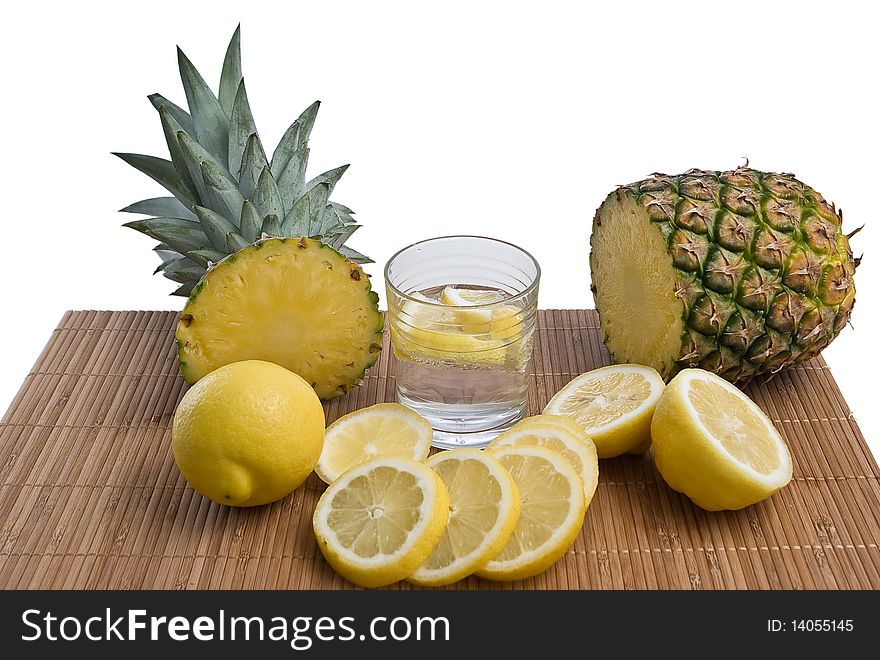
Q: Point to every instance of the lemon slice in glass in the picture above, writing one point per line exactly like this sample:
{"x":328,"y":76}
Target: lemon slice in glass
{"x":552,"y":511}
{"x":385,"y":429}
{"x":613,"y":405}
{"x":715,"y":445}
{"x":562,"y":435}
{"x":380,"y":521}
{"x":483,"y":511}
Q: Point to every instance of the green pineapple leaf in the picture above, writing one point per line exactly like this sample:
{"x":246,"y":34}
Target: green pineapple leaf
{"x":215,"y":226}
{"x":292,"y":183}
{"x":235,"y":242}
{"x":294,"y":137}
{"x":182,"y":116}
{"x":160,"y":170}
{"x":271,"y":226}
{"x":171,"y":127}
{"x":166,"y":256}
{"x":318,"y":196}
{"x":184,"y":289}
{"x":338,"y":238}
{"x":223,"y":189}
{"x":241,"y":127}
{"x":180,"y":235}
{"x":165,"y":206}
{"x":251,"y":222}
{"x":210,"y":123}
{"x":183,"y":270}
{"x":206,"y":257}
{"x":330,"y":177}
{"x":231,"y":76}
{"x":342,"y":208}
{"x":267,"y":199}
{"x":354,"y":255}
{"x":252,"y":164}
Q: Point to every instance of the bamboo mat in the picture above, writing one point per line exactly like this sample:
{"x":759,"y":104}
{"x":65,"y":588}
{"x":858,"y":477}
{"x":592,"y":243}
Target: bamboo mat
{"x":90,"y":496}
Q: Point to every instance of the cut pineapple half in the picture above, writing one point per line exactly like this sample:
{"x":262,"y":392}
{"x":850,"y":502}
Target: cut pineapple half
{"x":715,"y":445}
{"x":295,"y":302}
{"x":483,"y":511}
{"x":552,"y":508}
{"x":385,"y":429}
{"x":562,"y":435}
{"x":613,"y":405}
{"x":381,"y":520}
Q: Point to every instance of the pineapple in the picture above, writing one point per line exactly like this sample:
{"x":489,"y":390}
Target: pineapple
{"x":739,"y":272}
{"x":326,"y":327}
{"x":258,"y":248}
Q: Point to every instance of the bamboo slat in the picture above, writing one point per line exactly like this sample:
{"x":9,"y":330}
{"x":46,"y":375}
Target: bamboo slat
{"x":90,"y":497}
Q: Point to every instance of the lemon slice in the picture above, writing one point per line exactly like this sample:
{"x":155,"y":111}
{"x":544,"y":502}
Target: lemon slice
{"x":715,"y":445}
{"x":613,"y":405}
{"x":385,"y":429}
{"x":483,"y":510}
{"x":562,"y":435}
{"x":380,"y":521}
{"x":552,"y":511}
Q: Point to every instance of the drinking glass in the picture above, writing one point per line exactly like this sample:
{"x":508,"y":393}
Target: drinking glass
{"x":461,"y":311}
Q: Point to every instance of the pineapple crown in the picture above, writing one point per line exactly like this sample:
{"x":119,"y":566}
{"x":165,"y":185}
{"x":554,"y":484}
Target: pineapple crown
{"x":225,"y":193}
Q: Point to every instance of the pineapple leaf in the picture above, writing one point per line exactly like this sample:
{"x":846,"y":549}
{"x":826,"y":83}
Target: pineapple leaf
{"x":251,"y":222}
{"x":338,"y":238}
{"x":167,"y":256}
{"x":342,"y":208}
{"x":293,"y":179}
{"x":180,"y":235}
{"x":230,"y":77}
{"x":164,"y":206}
{"x":204,"y":257}
{"x":184,"y":289}
{"x":160,"y":170}
{"x":271,"y":226}
{"x":354,"y":255}
{"x":235,"y":242}
{"x":294,"y":137}
{"x":171,"y":127}
{"x":184,"y":270}
{"x":267,"y":199}
{"x":241,"y":127}
{"x":182,"y":116}
{"x":252,"y":164}
{"x":330,"y":177}
{"x":318,"y":196}
{"x":210,"y":123}
{"x":215,"y":226}
{"x":229,"y":199}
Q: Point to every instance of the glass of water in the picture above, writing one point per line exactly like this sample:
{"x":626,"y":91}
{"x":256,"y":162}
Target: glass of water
{"x":461,"y":311}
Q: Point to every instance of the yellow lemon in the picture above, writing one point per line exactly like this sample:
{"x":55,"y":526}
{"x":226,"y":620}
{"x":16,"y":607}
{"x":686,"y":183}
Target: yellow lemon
{"x":248,"y":433}
{"x":552,"y":508}
{"x":384,"y":429}
{"x":613,"y":405}
{"x":483,"y":511}
{"x":380,"y":520}
{"x":715,"y":445}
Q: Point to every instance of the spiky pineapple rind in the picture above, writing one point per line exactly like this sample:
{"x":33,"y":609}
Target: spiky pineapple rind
{"x":733,"y":239}
{"x":364,"y":351}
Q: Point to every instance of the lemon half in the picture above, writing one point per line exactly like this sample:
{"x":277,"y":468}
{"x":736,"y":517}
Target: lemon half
{"x":715,"y":445}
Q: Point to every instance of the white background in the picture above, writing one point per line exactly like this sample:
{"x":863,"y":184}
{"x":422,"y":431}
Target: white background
{"x":504,"y":119}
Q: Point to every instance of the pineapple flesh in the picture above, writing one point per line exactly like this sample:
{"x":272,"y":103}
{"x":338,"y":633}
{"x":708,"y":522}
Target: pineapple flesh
{"x":739,"y":272}
{"x":327,"y":329}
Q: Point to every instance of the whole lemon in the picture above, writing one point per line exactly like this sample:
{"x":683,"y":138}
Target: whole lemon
{"x":248,"y":433}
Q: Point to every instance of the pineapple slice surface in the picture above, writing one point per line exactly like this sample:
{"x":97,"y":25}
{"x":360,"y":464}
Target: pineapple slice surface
{"x":295,"y":302}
